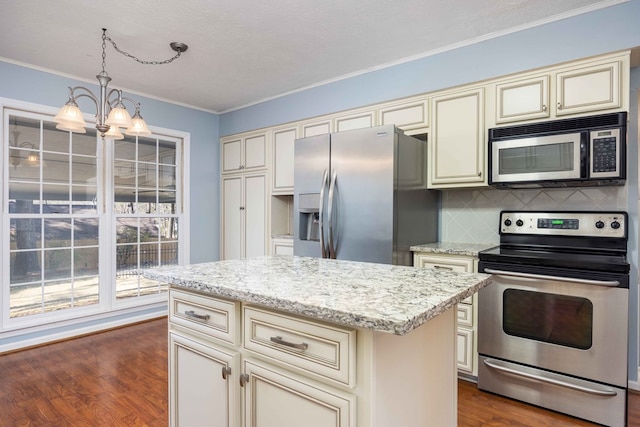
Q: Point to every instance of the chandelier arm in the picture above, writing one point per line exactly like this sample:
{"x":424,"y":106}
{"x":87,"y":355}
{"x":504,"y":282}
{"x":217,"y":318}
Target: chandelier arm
{"x":86,"y":94}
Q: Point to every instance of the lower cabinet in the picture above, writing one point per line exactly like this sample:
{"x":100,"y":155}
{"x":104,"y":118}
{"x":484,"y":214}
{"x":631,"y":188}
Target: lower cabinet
{"x":233,"y":364}
{"x":467,"y":332}
{"x":202,"y":394}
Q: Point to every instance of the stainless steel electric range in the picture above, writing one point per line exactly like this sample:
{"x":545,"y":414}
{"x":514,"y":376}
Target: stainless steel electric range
{"x":552,"y":327}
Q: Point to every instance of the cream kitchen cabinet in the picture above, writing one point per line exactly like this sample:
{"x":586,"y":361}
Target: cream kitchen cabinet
{"x":410,"y":115}
{"x":244,"y":153}
{"x":283,"y":150}
{"x":522,"y":99}
{"x":281,"y":246}
{"x":589,"y":88}
{"x":319,"y":127}
{"x":244,"y":215}
{"x":354,"y":120}
{"x":457,"y":141}
{"x":467,"y":334}
{"x":583,"y":87}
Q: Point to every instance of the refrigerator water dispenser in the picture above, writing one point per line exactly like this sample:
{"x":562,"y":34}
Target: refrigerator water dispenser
{"x":309,"y":211}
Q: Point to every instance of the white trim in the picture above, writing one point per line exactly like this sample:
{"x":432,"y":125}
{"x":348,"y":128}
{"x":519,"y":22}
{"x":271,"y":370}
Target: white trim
{"x":634,"y":385}
{"x":110,"y":320}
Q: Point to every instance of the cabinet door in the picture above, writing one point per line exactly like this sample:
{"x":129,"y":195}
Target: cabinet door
{"x":255,"y":152}
{"x":231,"y":155}
{"x":355,"y":121}
{"x":278,"y":398}
{"x":592,"y":88}
{"x":316,"y":128}
{"x":202,"y":393}
{"x":255,"y":215}
{"x":465,"y":351}
{"x":232,"y":230}
{"x":282,"y":247}
{"x":408,"y":116}
{"x":283,"y":146}
{"x":522,"y":99}
{"x":457,"y":148}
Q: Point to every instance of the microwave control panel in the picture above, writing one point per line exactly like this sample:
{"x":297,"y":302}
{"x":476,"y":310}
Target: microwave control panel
{"x":605,"y":153}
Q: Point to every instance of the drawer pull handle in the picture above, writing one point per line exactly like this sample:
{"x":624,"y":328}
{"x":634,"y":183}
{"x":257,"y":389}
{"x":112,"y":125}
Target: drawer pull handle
{"x":443,"y":267}
{"x":226,"y":371}
{"x":279,"y":340}
{"x":244,"y":379}
{"x":194,"y":315}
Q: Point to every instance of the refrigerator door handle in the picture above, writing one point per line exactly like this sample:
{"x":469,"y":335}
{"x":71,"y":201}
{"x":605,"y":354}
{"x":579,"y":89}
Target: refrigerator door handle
{"x":332,"y":187}
{"x":325,"y":179}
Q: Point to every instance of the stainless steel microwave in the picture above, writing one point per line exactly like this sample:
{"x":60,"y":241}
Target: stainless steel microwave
{"x":582,"y":151}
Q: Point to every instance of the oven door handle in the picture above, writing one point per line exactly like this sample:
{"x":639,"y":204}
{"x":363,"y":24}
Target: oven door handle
{"x":609,"y":283}
{"x":494,"y":364}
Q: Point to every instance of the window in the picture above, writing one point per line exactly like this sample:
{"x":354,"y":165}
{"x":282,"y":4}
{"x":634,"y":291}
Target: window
{"x":81,"y":216}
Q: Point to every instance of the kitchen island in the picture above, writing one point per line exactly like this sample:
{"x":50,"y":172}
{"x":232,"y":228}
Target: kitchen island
{"x":290,"y":341}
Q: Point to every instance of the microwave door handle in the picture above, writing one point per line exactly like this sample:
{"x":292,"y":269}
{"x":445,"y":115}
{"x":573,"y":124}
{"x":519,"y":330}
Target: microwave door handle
{"x":325,"y":179}
{"x":330,"y":210}
{"x":609,"y":283}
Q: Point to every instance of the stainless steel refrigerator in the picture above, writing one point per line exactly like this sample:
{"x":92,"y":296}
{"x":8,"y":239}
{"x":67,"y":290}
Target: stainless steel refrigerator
{"x":362,"y":195}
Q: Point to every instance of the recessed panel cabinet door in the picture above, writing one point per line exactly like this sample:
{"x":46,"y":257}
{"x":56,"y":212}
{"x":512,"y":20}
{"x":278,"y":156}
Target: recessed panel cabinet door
{"x":457,"y":146}
{"x":590,"y":88}
{"x":203,"y":392}
{"x":255,"y":208}
{"x":232,"y":217}
{"x":277,"y":398}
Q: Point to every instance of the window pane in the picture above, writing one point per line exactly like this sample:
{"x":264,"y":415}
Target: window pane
{"x":169,"y":253}
{"x":85,"y":231}
{"x":25,"y":267}
{"x":23,"y":196}
{"x":55,"y":168}
{"x":25,"y":233}
{"x":147,"y":175}
{"x":86,"y":290}
{"x":149,"y":230}
{"x":55,"y":198}
{"x":85,"y":262}
{"x":124,"y":173}
{"x":168,"y":228}
{"x":123,"y":207}
{"x":127,"y":230}
{"x":84,"y":200}
{"x":55,"y":139}
{"x":149,"y":256}
{"x":84,"y":143}
{"x":23,"y":165}
{"x":126,"y":148}
{"x":167,"y":153}
{"x":147,"y":150}
{"x":25,"y":299}
{"x":57,"y":264}
{"x":24,"y":132}
{"x":84,"y":170}
{"x":57,"y":233}
{"x":57,"y":295}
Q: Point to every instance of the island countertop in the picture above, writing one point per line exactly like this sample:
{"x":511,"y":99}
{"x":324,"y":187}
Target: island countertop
{"x":381,"y":297}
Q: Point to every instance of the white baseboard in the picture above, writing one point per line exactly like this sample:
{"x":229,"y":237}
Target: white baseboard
{"x":87,"y":325}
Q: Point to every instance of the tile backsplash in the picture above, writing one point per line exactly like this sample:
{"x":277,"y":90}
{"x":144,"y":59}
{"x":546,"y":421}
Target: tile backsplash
{"x":471,"y":216}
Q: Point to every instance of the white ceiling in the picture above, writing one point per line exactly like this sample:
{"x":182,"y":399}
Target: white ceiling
{"x":245,"y":51}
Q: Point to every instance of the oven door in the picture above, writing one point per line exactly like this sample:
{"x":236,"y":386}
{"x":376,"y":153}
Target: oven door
{"x":543,"y":158}
{"x":573,"y":326}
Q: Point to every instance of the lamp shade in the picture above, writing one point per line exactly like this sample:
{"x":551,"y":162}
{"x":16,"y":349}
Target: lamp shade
{"x":70,"y":114}
{"x":114,"y":133}
{"x":138,"y":126}
{"x":70,"y":127}
{"x":120,"y":117}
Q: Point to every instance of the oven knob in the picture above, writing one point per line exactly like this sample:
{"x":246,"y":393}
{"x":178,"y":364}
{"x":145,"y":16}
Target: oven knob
{"x":519,"y":223}
{"x":507,"y":222}
{"x":600,"y":224}
{"x":615,"y":225}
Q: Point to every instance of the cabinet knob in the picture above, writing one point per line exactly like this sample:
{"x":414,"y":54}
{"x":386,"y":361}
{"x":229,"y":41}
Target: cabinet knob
{"x":544,"y":108}
{"x":241,"y":208}
{"x":559,"y":106}
{"x":226,"y":371}
{"x":244,"y":379}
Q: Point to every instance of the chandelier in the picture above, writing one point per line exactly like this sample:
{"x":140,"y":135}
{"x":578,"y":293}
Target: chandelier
{"x":111,"y":113}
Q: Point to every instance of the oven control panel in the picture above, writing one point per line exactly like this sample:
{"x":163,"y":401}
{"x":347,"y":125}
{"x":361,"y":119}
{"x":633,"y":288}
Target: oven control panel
{"x":600,"y":224}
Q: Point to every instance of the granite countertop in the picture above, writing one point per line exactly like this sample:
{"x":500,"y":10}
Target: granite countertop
{"x":385,"y":298}
{"x":447,"y":248}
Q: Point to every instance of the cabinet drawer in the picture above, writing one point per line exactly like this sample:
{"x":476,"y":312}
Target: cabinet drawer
{"x":319,"y":349}
{"x":211,"y":316}
{"x":465,"y":315}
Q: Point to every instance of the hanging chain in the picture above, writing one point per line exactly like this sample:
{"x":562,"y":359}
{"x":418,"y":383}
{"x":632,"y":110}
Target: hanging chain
{"x":105,"y":37}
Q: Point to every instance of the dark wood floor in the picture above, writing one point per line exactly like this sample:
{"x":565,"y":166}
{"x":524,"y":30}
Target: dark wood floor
{"x":119,"y":378}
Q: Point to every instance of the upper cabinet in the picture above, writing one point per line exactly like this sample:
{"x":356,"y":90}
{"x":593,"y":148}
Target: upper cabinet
{"x":245,"y":153}
{"x":522,"y":99}
{"x":283,"y":146}
{"x":410,"y":115}
{"x":589,"y":88}
{"x":457,"y":141}
{"x":355,"y":120}
{"x":583,"y":87}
